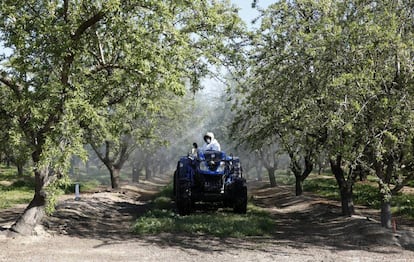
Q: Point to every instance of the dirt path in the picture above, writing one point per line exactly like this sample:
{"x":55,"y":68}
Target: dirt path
{"x":98,"y":228}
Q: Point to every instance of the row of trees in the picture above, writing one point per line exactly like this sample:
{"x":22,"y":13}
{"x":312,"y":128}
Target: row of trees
{"x":335,"y":78}
{"x":324,"y":79}
{"x":104,"y":73}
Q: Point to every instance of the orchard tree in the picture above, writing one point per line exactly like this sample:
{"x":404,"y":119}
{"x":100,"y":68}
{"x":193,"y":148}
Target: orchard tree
{"x":376,"y":85}
{"x":268,"y":154}
{"x":340,"y":73}
{"x":12,"y":148}
{"x":302,"y":160}
{"x":72,"y":61}
{"x":389,"y":116}
{"x":142,"y":123}
{"x":287,"y":88}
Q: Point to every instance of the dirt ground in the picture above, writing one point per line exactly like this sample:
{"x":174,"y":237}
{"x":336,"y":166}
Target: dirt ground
{"x":98,"y":228}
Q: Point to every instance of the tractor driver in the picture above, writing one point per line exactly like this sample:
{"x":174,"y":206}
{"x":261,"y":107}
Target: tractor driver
{"x":210,"y":142}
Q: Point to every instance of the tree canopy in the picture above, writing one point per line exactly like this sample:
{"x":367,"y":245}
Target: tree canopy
{"x":323,"y":77}
{"x":74,"y":63}
{"x":335,"y":75}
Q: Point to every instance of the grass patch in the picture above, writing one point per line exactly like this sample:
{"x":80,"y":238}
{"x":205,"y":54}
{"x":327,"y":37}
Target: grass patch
{"x":13,"y":197}
{"x":364,"y":194}
{"x":84,"y":186}
{"x":97,"y":175}
{"x":411,"y":183}
{"x":13,"y":189}
{"x":7,"y":173}
{"x":402,"y":204}
{"x":367,"y":195}
{"x":325,"y":187}
{"x":284,"y":177}
{"x":224,"y":223}
{"x":16,"y":189}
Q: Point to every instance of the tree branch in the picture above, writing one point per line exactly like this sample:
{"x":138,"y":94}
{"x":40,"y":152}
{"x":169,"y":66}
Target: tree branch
{"x":107,"y":150}
{"x":87,"y":24}
{"x":99,"y":153}
{"x":68,"y":60}
{"x":6,"y":80}
{"x":101,"y":52}
{"x":65,"y":10}
{"x":110,"y":66}
{"x":399,"y":186}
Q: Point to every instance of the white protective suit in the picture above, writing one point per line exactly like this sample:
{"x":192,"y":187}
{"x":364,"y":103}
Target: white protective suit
{"x":210,"y":142}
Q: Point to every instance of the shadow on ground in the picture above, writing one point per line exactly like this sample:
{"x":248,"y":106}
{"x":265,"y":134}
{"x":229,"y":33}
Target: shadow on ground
{"x":9,"y":216}
{"x":104,"y":214}
{"x":300,"y":222}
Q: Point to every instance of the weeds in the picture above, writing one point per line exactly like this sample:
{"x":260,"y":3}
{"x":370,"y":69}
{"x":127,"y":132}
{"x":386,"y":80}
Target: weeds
{"x":13,"y":189}
{"x":366,"y":194}
{"x":223,"y":223}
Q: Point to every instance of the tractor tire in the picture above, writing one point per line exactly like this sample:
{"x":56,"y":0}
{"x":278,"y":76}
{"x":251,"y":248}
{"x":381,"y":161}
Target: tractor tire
{"x":183,"y":202}
{"x":175,"y":185}
{"x":240,"y":200}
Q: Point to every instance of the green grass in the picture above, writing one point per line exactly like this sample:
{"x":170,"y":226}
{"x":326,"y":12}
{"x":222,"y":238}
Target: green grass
{"x":13,"y":189}
{"x":20,"y":190}
{"x":364,"y":194}
{"x":7,"y":173}
{"x":84,"y":186}
{"x":14,"y":197}
{"x":93,"y":177}
{"x":284,"y":177}
{"x":223,"y":223}
{"x":325,"y":187}
{"x":411,"y":183}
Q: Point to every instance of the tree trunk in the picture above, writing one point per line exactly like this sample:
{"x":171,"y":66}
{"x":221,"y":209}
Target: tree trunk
{"x":148,"y":173}
{"x":347,"y":202}
{"x":114,"y":166}
{"x":386,"y":216}
{"x":345,"y":188}
{"x":115,"y":177}
{"x":87,"y":167}
{"x":297,"y":172}
{"x":299,"y":186}
{"x":162,"y":170}
{"x":135,"y":174}
{"x":246,"y":167}
{"x":259,"y":173}
{"x":301,"y":176}
{"x":384,"y":171}
{"x":272,"y":177}
{"x":20,"y":170}
{"x":35,"y":211}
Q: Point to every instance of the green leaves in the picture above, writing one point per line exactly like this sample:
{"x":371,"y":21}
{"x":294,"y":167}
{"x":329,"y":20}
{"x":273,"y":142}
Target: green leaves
{"x":162,"y":219}
{"x":336,"y":71}
{"x":104,"y":70}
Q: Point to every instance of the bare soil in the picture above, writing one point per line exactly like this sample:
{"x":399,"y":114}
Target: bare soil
{"x":309,"y":228}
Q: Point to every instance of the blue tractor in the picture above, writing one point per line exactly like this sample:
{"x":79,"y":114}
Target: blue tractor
{"x":209,"y":177}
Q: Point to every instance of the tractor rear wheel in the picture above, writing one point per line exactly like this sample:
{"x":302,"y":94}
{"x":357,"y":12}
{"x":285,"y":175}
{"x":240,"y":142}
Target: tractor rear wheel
{"x":240,"y":200}
{"x":183,"y":202}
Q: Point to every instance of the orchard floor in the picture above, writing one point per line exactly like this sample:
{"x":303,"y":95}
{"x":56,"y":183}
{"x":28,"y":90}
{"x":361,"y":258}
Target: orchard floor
{"x":98,"y":228}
